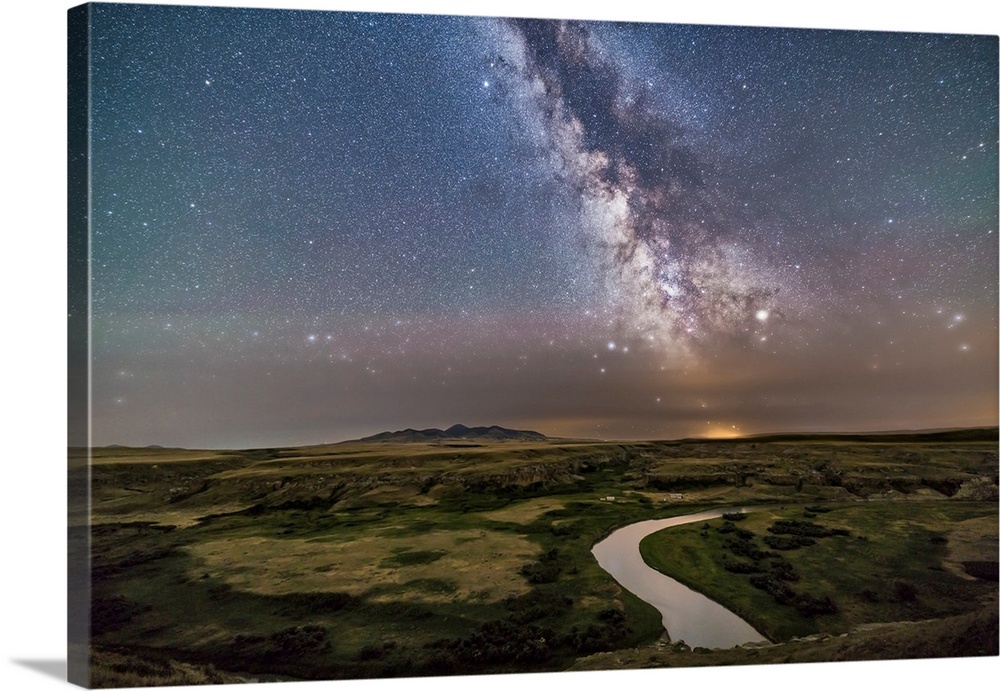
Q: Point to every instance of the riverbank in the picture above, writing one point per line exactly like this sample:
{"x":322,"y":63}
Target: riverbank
{"x":687,"y":615}
{"x":869,"y":563}
{"x":966,"y":635}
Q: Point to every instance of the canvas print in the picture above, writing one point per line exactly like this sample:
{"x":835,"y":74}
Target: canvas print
{"x":406,"y":345}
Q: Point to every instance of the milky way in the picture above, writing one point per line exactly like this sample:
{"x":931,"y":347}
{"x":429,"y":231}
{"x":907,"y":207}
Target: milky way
{"x":647,"y":210}
{"x":310,"y":226}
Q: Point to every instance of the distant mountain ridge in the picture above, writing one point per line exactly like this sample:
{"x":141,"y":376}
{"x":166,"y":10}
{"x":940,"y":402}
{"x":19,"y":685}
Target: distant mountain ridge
{"x":493,"y":432}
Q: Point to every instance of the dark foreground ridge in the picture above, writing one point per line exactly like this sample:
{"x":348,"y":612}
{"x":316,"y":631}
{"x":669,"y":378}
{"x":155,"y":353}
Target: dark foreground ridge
{"x":456,"y":432}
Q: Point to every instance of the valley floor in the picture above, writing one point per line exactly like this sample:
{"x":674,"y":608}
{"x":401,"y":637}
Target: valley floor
{"x":384,"y":559}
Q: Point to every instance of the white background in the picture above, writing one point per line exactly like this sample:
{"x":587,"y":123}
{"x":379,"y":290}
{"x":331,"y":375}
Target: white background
{"x":32,"y":337}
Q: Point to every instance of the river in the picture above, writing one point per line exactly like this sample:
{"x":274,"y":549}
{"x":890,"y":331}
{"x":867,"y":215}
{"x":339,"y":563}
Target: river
{"x":688,"y":615}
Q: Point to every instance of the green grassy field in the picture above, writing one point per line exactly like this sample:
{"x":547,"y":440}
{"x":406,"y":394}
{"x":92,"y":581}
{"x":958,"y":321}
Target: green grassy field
{"x":388,"y":559}
{"x":884,"y":562}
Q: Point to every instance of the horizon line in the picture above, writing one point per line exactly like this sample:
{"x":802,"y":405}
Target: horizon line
{"x":735,"y":438}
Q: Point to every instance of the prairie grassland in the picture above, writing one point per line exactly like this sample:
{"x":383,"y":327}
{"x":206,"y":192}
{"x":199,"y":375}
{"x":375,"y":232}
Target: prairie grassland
{"x":449,"y":564}
{"x":390,"y":559}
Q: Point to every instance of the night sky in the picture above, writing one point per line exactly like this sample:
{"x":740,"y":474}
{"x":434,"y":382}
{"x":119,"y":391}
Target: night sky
{"x":310,"y":227}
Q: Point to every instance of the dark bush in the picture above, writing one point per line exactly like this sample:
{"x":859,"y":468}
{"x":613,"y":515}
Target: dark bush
{"x":811,"y":606}
{"x":441,"y":663}
{"x":611,"y":616}
{"x":545,"y":570}
{"x":904,"y":591}
{"x":783,"y":571}
{"x":297,"y":639}
{"x":500,"y":642}
{"x":403,"y":559}
{"x":983,"y":570}
{"x":375,"y":651}
{"x":594,"y":638}
{"x":285,"y":644}
{"x":781,"y":593}
{"x":734,"y":516}
{"x":869,"y":595}
{"x":111,"y":613}
{"x":294,"y":603}
{"x":537,"y":605}
{"x":541,"y":572}
{"x":744,"y":548}
{"x":787,"y":542}
{"x":740,"y":566}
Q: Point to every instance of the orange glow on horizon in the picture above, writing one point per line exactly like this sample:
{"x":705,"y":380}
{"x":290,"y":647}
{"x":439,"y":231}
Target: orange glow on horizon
{"x":723,"y":432}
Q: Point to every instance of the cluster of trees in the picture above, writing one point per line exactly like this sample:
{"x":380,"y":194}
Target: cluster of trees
{"x":513,"y":643}
{"x":771,"y":572}
{"x":287,"y":643}
{"x":545,"y":570}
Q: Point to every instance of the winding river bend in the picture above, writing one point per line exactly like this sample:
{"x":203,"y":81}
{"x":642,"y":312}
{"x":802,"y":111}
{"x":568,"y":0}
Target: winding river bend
{"x":688,"y":615}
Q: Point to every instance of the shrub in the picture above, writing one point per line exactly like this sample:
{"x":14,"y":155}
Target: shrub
{"x":740,"y":566}
{"x":441,"y":663}
{"x":810,"y":606}
{"x":783,"y":571}
{"x":904,"y":591}
{"x":541,"y":572}
{"x":112,"y":613}
{"x":983,"y":570}
{"x":287,"y":643}
{"x":744,"y":548}
{"x":376,"y":650}
{"x":781,"y":593}
{"x":500,"y":642}
{"x":611,"y":616}
{"x":786,"y":542}
{"x":869,"y":595}
{"x":596,"y":638}
{"x":545,"y":570}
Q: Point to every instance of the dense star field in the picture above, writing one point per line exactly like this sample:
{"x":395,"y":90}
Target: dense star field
{"x":310,"y":227}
